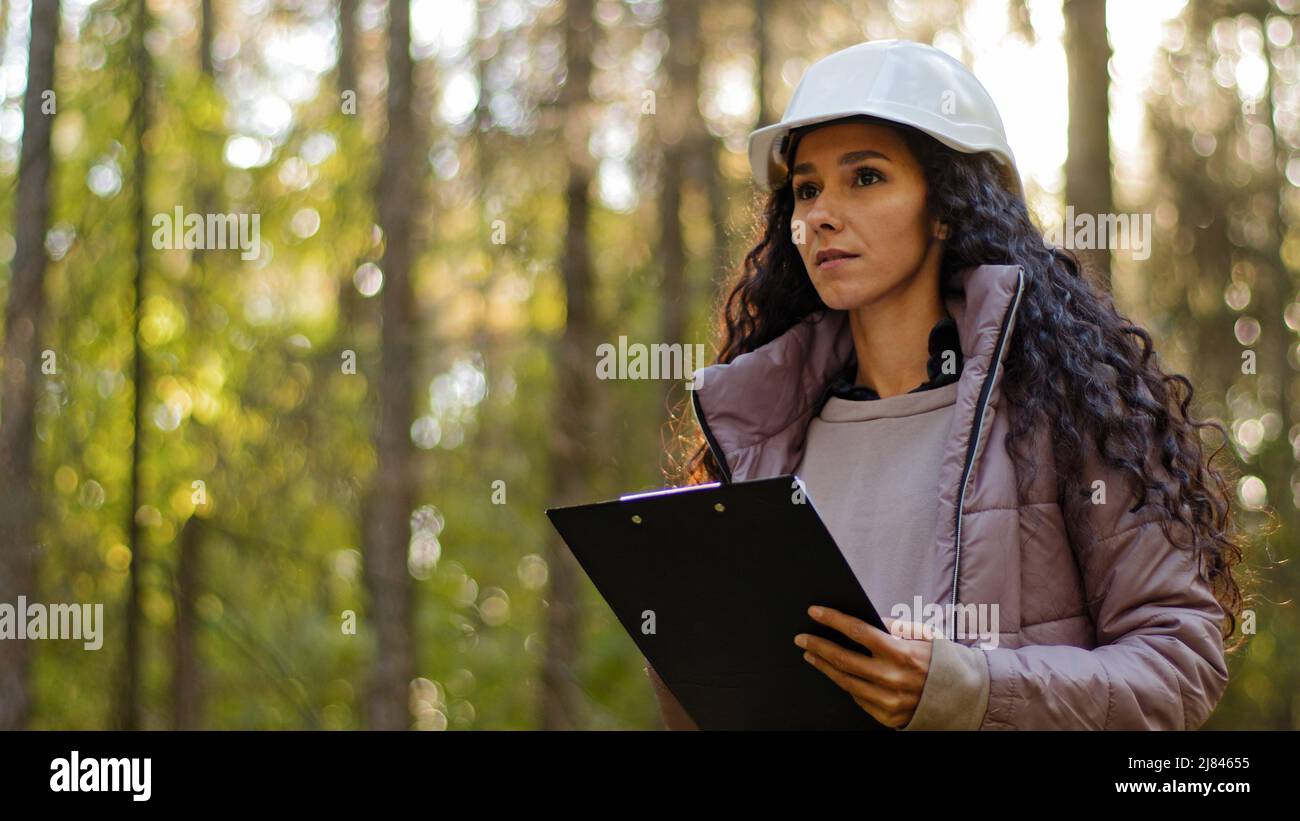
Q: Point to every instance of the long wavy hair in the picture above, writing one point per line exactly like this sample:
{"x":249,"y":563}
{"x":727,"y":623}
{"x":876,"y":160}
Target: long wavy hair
{"x":1074,"y":363}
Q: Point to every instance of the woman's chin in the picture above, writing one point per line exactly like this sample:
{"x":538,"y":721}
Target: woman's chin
{"x":837,"y":300}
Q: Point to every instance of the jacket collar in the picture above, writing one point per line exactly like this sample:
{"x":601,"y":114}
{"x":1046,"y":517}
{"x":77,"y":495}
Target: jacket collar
{"x":755,"y":409}
{"x":942,"y":341}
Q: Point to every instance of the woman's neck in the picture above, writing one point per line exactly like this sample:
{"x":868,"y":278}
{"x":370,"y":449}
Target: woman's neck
{"x":892,"y":341}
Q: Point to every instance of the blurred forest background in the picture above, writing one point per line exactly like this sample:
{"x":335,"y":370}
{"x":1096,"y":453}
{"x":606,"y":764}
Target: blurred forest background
{"x":463,"y":199}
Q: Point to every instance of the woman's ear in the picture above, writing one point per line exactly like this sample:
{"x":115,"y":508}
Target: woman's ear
{"x":941,"y":230}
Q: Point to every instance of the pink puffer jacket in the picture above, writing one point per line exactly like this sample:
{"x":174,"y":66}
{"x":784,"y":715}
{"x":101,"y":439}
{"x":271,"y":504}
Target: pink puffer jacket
{"x":1107,"y":629}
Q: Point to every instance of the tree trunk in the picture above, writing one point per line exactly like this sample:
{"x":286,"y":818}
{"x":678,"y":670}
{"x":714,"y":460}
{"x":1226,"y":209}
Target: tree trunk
{"x":491,"y":436}
{"x":1087,"y":166}
{"x":128,"y":715}
{"x":681,"y":136}
{"x":349,"y":301}
{"x":19,"y":498}
{"x":762,"y":10}
{"x":187,"y":673}
{"x":386,"y":522}
{"x":1276,"y":291}
{"x":719,"y":218}
{"x":572,"y":412}
{"x":347,"y":68}
{"x":688,"y":159}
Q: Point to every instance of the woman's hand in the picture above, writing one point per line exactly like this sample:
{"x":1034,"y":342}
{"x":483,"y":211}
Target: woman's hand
{"x":888,"y":683}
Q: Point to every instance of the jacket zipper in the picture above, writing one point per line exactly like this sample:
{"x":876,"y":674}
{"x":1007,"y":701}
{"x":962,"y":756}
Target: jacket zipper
{"x":708,"y":437}
{"x":978,"y":422}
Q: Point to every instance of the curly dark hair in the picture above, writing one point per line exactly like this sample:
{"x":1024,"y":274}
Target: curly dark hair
{"x":1075,"y":363}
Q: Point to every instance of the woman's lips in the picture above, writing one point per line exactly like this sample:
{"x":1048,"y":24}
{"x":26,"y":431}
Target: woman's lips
{"x":832,"y":264}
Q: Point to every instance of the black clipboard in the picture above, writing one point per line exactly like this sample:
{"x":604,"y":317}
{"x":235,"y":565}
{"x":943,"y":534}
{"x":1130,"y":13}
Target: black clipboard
{"x":713,"y":582}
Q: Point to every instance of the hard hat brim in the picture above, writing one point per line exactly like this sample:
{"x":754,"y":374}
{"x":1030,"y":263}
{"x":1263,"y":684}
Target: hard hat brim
{"x":769,"y":170}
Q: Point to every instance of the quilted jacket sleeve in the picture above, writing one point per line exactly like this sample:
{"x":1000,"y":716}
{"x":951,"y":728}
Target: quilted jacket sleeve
{"x":1159,"y":661}
{"x":956,"y":691}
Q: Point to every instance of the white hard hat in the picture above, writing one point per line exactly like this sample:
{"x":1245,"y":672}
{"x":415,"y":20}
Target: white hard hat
{"x":897,"y":80}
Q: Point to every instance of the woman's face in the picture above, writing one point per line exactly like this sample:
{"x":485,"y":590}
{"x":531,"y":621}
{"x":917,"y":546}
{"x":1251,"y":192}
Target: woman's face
{"x":859,"y":190}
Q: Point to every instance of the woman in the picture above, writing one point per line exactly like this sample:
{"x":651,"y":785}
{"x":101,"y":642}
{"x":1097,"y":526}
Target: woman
{"x":980,"y":429}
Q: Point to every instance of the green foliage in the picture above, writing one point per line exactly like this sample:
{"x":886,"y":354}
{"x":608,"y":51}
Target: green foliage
{"x":246,"y":392}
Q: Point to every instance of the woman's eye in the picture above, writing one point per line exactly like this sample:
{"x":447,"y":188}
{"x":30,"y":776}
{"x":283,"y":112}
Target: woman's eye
{"x":868,"y":172}
{"x":802,"y":190}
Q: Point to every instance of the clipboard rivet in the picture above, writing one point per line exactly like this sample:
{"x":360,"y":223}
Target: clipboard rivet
{"x":636,"y":519}
{"x":719,"y":507}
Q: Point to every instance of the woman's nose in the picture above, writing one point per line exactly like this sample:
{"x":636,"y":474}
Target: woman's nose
{"x":824,"y":213}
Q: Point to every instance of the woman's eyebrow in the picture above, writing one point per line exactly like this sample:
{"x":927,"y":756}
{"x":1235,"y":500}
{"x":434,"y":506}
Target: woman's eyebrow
{"x":854,"y":156}
{"x":845,"y":159}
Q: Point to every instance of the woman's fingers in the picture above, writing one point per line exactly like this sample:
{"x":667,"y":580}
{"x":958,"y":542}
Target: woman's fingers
{"x":848,"y":660}
{"x":869,"y":637}
{"x":845,"y":660}
{"x":910,"y":629}
{"x":882,"y":683}
{"x":882,"y":704}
